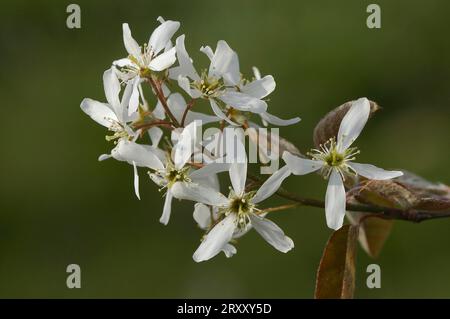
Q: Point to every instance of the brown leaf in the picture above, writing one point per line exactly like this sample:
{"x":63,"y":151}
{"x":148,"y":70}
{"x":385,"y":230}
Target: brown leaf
{"x":336,"y":273}
{"x":328,"y":126}
{"x":387,"y":193}
{"x":373,"y":232}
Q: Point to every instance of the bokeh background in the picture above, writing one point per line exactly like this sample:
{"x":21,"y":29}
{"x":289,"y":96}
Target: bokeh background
{"x":58,"y":205}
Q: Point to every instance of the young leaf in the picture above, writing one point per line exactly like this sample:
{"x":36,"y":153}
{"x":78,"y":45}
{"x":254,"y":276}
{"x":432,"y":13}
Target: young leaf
{"x":328,"y":126}
{"x":336,"y":273}
{"x":387,"y":193}
{"x":373,"y":232}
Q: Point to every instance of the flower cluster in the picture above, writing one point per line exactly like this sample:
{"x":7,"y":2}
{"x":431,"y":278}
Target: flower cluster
{"x":161,"y":136}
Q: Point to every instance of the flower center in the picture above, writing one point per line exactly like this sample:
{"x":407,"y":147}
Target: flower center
{"x":119,"y":132}
{"x":333,"y":158}
{"x":242,"y":206}
{"x":208,"y":86}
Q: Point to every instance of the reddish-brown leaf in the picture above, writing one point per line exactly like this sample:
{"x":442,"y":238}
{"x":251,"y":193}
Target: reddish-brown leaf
{"x":336,"y":273}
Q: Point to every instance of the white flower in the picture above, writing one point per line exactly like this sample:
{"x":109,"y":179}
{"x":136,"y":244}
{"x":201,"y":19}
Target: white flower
{"x":219,"y":83}
{"x":335,"y":160}
{"x":168,"y":170}
{"x":114,"y":114}
{"x":237,"y":213}
{"x":142,"y":60}
{"x":205,"y":217}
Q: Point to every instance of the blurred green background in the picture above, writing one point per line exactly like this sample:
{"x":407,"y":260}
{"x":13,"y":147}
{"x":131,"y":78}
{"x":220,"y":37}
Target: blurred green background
{"x":60,"y":206}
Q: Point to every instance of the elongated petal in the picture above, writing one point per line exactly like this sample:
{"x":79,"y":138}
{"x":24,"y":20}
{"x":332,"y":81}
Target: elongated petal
{"x":210,"y":169}
{"x":260,"y":88}
{"x":142,"y":155}
{"x":229,"y":250}
{"x":185,"y":145}
{"x":208,"y":51}
{"x":373,"y":172}
{"x":112,"y":88}
{"x":225,"y":63}
{"x":198,"y":193}
{"x":163,"y":61}
{"x":185,"y":68}
{"x":301,"y":166}
{"x":256,"y":73}
{"x":275,"y":120}
{"x":125,"y":62}
{"x":273,"y":234}
{"x":99,"y":112}
{"x":353,"y":123}
{"x":238,"y":176}
{"x":162,"y":35}
{"x":167,"y":209}
{"x":335,"y":201}
{"x":184,"y":83}
{"x":133,"y":104}
{"x":202,"y":215}
{"x":104,"y":157}
{"x":136,"y":181}
{"x":218,"y":112}
{"x":130,"y":43}
{"x":243,"y":102}
{"x":272,"y":184}
{"x":155,"y":134}
{"x":216,"y":239}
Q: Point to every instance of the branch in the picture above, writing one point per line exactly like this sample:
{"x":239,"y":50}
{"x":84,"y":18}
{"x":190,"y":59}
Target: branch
{"x":160,"y":95}
{"x":412,"y":215}
{"x":188,"y":108}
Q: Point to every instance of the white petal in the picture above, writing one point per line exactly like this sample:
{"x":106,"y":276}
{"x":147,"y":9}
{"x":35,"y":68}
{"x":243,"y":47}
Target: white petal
{"x":186,"y":68}
{"x":301,"y":166}
{"x":243,"y":102}
{"x":125,"y":62}
{"x":142,"y":155}
{"x":272,"y":184}
{"x":198,"y":193}
{"x":353,"y":123}
{"x":208,"y":51}
{"x":204,"y":118}
{"x":335,"y":200}
{"x":185,"y":146}
{"x":136,"y":181}
{"x":202,"y":215}
{"x":275,"y":120}
{"x":273,"y":234}
{"x":163,"y":61}
{"x":229,"y":250}
{"x":218,"y":112}
{"x":256,"y":73}
{"x":112,"y":88}
{"x":167,"y":209}
{"x":238,"y":176}
{"x":225,"y":63}
{"x":162,"y":35}
{"x":373,"y":172}
{"x":260,"y":88}
{"x":99,"y":112}
{"x":184,"y":83}
{"x":133,"y":104}
{"x":130,"y":43}
{"x":158,"y":112}
{"x":155,"y":134}
{"x":104,"y":157}
{"x":210,"y":169}
{"x":216,"y":239}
